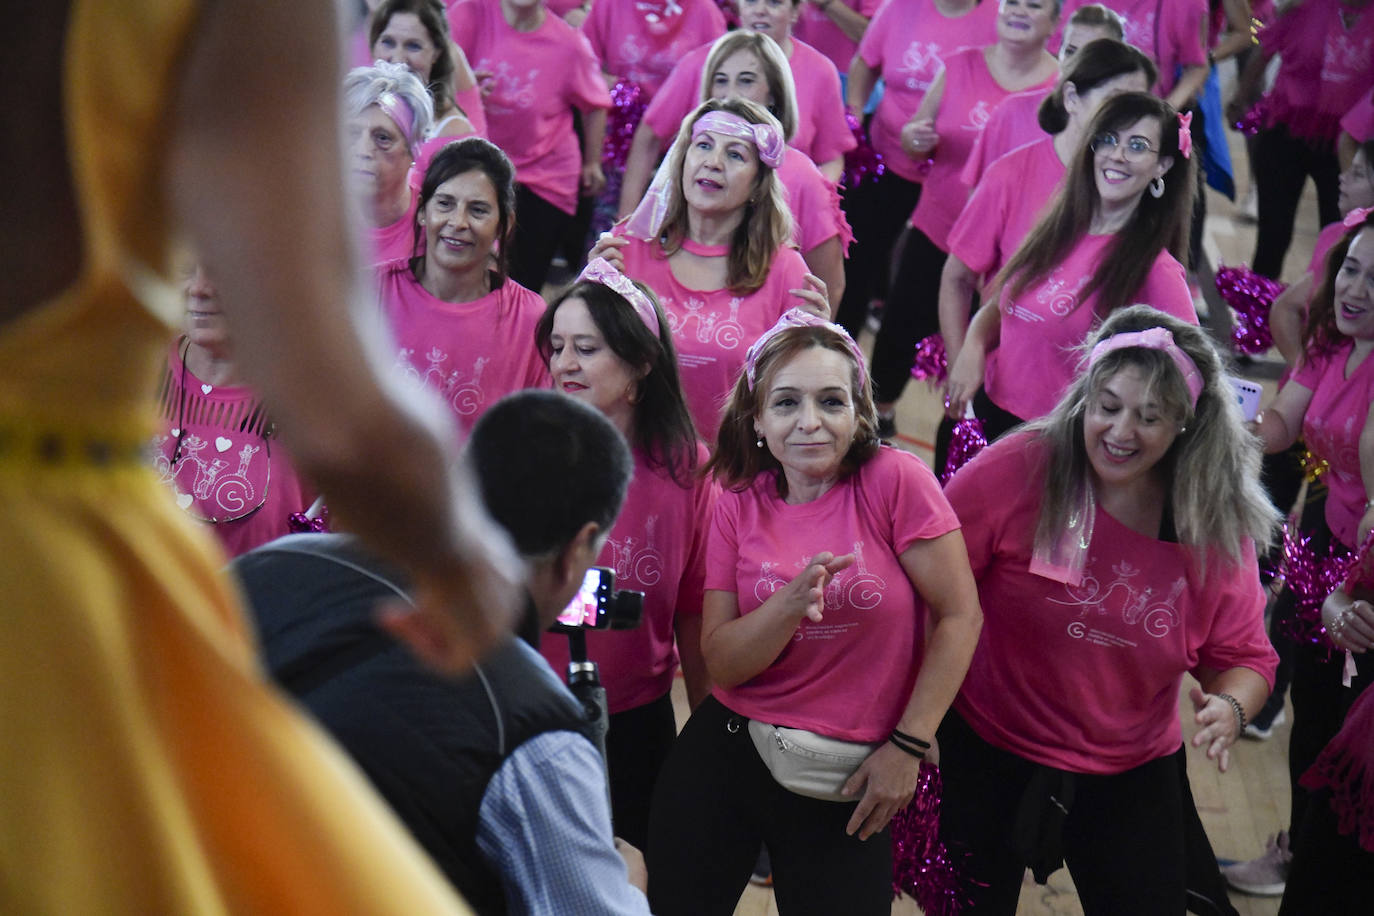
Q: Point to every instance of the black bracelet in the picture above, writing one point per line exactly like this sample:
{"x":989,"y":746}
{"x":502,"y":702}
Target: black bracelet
{"x":1239,"y":710}
{"x":915,"y":752}
{"x":923,"y":745}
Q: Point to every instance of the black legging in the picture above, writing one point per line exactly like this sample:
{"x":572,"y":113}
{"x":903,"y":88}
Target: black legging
{"x":911,"y":314}
{"x":716,"y":802}
{"x":637,"y":742}
{"x":877,"y":210}
{"x":539,"y":228}
{"x":1281,"y":164}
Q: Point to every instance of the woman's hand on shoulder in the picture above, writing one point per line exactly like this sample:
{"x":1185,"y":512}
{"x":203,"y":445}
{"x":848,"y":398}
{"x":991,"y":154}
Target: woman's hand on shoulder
{"x":608,"y":246}
{"x":888,"y":781}
{"x":815,"y":298}
{"x":804,"y":596}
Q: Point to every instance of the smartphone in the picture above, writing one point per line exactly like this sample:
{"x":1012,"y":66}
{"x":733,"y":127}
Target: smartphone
{"x":590,"y":607}
{"x":1248,"y":395}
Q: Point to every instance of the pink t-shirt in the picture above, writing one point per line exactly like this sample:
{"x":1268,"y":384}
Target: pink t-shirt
{"x":815,"y":203}
{"x":1014,"y":122}
{"x":636,"y":41}
{"x":1359,"y":120}
{"x":219,"y":453}
{"x":712,"y":329}
{"x":658,"y":547}
{"x":818,"y":30}
{"x":1326,"y":240}
{"x":907,"y":42}
{"x":1325,"y":67}
{"x":397,"y":240}
{"x":1004,"y":207}
{"x":471,"y":353}
{"x":1331,"y":428}
{"x":851,"y":675}
{"x":1037,"y":356}
{"x":538,"y":78}
{"x":821,"y":129}
{"x":1169,"y":32}
{"x":970,"y":94}
{"x":1086,"y":678}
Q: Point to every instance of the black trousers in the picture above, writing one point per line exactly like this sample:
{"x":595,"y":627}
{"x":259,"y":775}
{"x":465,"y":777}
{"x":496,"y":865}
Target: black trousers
{"x":1331,"y":873}
{"x":877,"y":211}
{"x":637,"y":744}
{"x":716,"y":803}
{"x":539,"y":229}
{"x":911,"y":314}
{"x":1281,"y":165}
{"x":1123,"y":839}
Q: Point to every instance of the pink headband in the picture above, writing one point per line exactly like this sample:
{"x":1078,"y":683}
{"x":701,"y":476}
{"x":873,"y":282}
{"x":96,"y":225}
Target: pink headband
{"x":399,"y":110}
{"x":1356,"y":216}
{"x":797,"y":318}
{"x":599,"y":270}
{"x":1153,"y":339}
{"x":1185,"y":134}
{"x":765,"y":137}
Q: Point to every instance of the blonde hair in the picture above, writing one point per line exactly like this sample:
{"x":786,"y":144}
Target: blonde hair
{"x":767,"y":223}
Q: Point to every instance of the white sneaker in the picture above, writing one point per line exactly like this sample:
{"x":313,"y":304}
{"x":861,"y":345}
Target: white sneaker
{"x":1266,"y":875}
{"x":1256,"y":733}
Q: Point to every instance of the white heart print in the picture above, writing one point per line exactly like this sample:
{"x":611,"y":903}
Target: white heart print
{"x":175,"y":432}
{"x":206,"y":389}
{"x":222,"y":444}
{"x":183,"y":500}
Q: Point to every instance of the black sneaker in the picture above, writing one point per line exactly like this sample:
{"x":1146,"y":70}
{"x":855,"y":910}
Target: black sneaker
{"x":887,"y":428}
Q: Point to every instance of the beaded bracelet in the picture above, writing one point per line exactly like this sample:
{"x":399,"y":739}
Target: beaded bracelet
{"x":1237,"y":708}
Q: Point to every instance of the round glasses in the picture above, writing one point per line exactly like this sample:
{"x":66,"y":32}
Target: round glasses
{"x":1136,"y":148}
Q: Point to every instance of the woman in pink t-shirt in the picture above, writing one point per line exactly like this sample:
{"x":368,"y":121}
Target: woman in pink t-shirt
{"x":388,"y":112}
{"x":416,"y":33}
{"x":218,"y":448}
{"x":1173,"y":34}
{"x":905,"y":44}
{"x":821,"y":129}
{"x":712,"y":240}
{"x":1329,"y":400}
{"x":607,"y":343}
{"x":460,"y":325}
{"x":752,"y":66}
{"x":1113,"y":542}
{"x":1112,"y":236}
{"x":943,"y":130}
{"x":839,"y":602}
{"x":640,"y":41}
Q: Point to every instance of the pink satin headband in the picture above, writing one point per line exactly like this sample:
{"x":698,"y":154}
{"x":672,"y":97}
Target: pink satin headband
{"x":399,"y":110}
{"x":599,"y":270}
{"x":1154,"y":339}
{"x":765,"y":137}
{"x":797,"y":318}
{"x":1356,"y":216}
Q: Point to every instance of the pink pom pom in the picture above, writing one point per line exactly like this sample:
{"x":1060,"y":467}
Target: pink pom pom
{"x":931,"y":363}
{"x":921,"y":865}
{"x":967,"y":440}
{"x":863,"y":162}
{"x":300,"y":523}
{"x":627,"y":109}
{"x":1254,"y":120}
{"x":1250,"y":296}
{"x":1311,"y":576}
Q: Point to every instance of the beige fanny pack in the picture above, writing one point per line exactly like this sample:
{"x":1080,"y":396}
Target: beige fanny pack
{"x":807,"y":763}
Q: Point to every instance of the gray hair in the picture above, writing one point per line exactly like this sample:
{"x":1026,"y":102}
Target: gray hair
{"x":364,"y":87}
{"x":1212,"y":470}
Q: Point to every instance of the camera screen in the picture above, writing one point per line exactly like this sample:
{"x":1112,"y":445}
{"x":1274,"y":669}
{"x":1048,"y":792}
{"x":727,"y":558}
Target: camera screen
{"x":584,"y":610}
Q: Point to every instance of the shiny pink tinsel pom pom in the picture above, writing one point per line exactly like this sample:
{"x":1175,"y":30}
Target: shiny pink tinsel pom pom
{"x":967,"y":440}
{"x":921,"y":866}
{"x":931,"y":363}
{"x":863,"y":162}
{"x":300,"y":523}
{"x":1250,"y":296}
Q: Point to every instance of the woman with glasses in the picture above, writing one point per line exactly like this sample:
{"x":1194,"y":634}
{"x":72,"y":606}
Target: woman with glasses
{"x":1113,"y":236}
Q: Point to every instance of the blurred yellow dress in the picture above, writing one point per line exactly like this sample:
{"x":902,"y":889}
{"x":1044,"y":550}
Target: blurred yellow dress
{"x":145,"y":765}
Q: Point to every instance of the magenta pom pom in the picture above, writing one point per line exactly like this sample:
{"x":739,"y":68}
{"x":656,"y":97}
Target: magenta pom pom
{"x":1311,"y":575}
{"x":863,"y":162}
{"x":1254,"y":120}
{"x":931,"y":363}
{"x":967,"y":440}
{"x":300,"y":523}
{"x":921,"y":866}
{"x":1250,"y":296}
{"x":627,"y":109}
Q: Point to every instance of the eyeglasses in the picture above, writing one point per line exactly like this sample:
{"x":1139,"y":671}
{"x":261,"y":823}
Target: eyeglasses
{"x":1136,"y":149}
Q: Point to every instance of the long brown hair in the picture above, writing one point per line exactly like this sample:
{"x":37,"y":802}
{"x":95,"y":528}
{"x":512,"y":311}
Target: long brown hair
{"x":1159,"y":223}
{"x":767,"y":223}
{"x":1320,"y":332}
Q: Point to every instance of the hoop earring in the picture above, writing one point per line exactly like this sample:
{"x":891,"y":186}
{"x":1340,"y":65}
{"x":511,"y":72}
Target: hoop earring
{"x":1157,"y":187}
